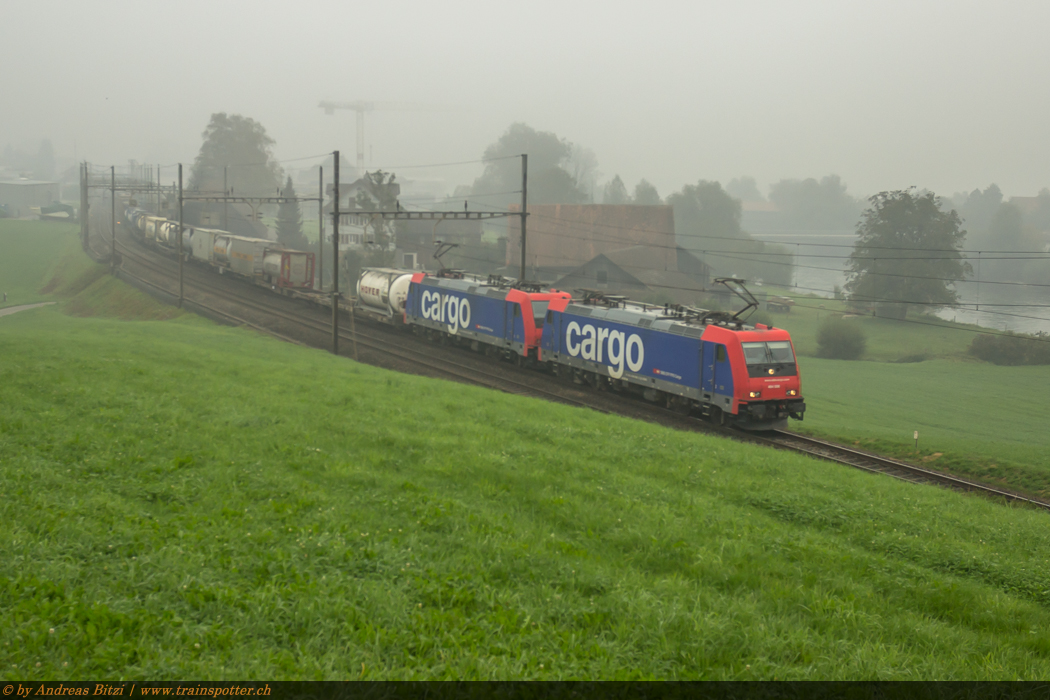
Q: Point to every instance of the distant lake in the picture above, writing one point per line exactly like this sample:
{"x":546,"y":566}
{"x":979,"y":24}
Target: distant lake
{"x":820,"y":258}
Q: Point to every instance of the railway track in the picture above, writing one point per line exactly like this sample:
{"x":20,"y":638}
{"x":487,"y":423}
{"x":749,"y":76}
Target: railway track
{"x":860,"y":459}
{"x":458,"y":371}
{"x":481,"y":373}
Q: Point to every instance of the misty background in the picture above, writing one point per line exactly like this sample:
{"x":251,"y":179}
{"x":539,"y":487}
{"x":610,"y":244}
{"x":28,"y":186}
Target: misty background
{"x":796,"y":111}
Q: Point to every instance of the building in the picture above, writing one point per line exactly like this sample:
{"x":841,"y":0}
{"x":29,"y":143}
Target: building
{"x":642,"y":273}
{"x":562,"y":237}
{"x":20,"y":196}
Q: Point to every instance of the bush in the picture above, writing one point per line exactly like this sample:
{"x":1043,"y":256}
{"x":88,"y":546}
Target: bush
{"x":1012,"y":349}
{"x":838,"y":339}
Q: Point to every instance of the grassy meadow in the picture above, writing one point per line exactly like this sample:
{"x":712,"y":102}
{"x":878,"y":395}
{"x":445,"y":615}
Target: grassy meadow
{"x":184,"y":500}
{"x":29,"y":251}
{"x":973,"y":418}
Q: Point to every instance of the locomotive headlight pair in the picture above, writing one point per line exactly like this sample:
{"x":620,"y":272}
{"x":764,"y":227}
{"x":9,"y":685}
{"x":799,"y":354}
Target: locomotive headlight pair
{"x":792,"y":392}
{"x":755,"y":394}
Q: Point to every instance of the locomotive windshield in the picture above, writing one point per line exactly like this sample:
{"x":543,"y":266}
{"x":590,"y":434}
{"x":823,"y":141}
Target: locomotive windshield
{"x":539,"y":311}
{"x":773,"y":352}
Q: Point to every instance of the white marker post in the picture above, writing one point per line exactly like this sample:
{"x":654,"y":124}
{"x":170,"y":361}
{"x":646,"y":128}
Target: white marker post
{"x":916,"y":439}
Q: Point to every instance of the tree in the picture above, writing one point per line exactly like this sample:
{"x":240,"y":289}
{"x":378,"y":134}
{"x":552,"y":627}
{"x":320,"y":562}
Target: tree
{"x":707,"y":222}
{"x":615,"y":192}
{"x":241,"y":145}
{"x":809,"y":204}
{"x":907,"y":253}
{"x":550,"y":158}
{"x":745,"y":189}
{"x":645,"y":193}
{"x":1039,"y":218}
{"x":977,"y":211}
{"x":705,"y":209}
{"x":290,"y":221}
{"x":379,"y":192}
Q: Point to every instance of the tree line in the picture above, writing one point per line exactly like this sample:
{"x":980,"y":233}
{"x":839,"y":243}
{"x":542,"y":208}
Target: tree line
{"x":907,"y":255}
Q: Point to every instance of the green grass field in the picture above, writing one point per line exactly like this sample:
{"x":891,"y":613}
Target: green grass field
{"x":190,"y":501}
{"x":29,"y":251}
{"x":973,"y":418}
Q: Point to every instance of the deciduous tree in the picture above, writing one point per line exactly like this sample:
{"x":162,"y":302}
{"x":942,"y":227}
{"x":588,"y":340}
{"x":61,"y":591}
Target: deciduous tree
{"x":551,"y":159}
{"x":241,"y":145}
{"x":615,"y":192}
{"x":908,"y":253}
{"x":645,"y":193}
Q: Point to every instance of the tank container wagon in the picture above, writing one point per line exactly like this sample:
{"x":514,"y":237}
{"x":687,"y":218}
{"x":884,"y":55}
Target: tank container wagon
{"x":382,"y":293}
{"x":263,"y":261}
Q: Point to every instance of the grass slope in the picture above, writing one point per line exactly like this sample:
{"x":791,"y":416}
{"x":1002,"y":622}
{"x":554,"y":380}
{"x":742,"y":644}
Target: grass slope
{"x":191,"y":501}
{"x":28,"y":253}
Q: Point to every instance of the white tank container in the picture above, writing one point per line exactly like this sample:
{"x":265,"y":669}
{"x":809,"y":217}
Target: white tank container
{"x":383,"y":289}
{"x":221,"y":248}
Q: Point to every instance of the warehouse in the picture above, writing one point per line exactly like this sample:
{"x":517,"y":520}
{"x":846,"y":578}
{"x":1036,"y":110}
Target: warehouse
{"x":20,"y":196}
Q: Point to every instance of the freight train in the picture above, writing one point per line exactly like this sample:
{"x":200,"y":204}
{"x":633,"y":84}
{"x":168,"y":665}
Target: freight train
{"x":707,"y":363}
{"x":263,"y":261}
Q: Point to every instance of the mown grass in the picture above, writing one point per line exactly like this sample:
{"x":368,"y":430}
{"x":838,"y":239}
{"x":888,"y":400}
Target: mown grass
{"x":183,"y":501}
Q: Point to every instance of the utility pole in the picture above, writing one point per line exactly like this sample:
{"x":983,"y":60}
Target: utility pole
{"x":335,"y":261}
{"x":524,"y":203}
{"x":225,"y":206}
{"x":320,"y":229}
{"x":180,"y":235}
{"x":83,"y":205}
{"x":158,"y":189}
{"x":113,"y":219}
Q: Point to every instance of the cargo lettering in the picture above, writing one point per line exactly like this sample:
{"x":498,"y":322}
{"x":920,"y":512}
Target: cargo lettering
{"x":605,"y":345}
{"x":454,"y":312}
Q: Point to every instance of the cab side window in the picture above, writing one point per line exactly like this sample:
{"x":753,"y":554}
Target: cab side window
{"x":720,"y":353}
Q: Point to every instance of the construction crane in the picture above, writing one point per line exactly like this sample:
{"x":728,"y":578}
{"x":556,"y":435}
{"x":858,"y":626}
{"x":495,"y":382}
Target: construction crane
{"x":361,"y":106}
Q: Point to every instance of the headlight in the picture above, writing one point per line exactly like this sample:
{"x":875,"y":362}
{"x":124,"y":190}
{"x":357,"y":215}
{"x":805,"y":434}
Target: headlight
{"x":792,"y":392}
{"x":755,"y":394}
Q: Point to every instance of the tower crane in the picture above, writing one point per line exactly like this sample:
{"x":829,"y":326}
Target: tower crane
{"x":361,"y":107}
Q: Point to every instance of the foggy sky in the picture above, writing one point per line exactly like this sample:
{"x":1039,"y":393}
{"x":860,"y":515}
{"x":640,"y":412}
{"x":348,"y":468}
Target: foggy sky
{"x":943,"y":95}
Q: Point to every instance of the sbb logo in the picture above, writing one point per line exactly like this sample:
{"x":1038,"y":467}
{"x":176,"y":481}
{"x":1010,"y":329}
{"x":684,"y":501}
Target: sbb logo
{"x":606,"y":346}
{"x":450,"y":310}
